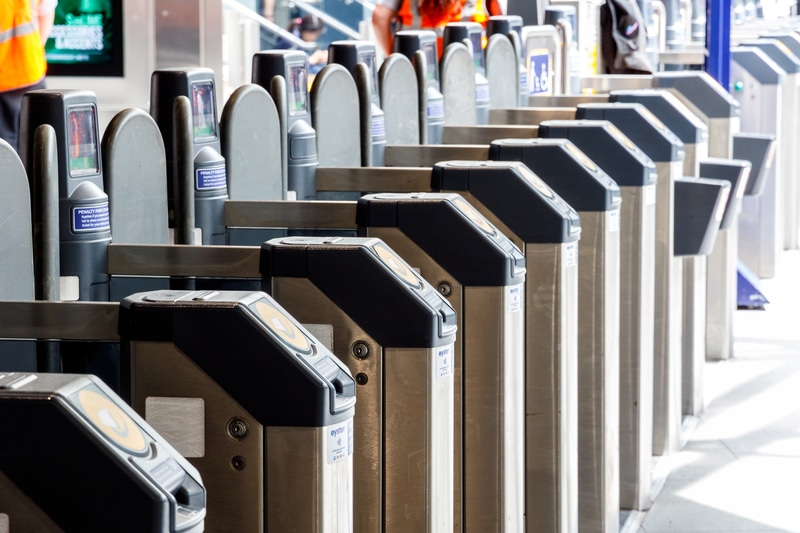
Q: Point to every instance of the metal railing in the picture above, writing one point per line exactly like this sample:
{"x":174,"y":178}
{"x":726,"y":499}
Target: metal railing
{"x":268,"y":25}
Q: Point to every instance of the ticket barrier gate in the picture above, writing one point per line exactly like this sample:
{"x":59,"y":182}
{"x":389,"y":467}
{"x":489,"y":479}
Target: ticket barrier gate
{"x":420,"y":47}
{"x":738,"y":174}
{"x":101,"y":445}
{"x":715,"y":107}
{"x":564,"y":18}
{"x":547,"y":60}
{"x":763,"y":86}
{"x":596,"y":198}
{"x":666,"y":151}
{"x":251,"y":455}
{"x":350,"y":54}
{"x":83,"y":213}
{"x":70,"y":216}
{"x":294,"y":111}
{"x":636,"y":176}
{"x":401,"y":91}
{"x":208,"y":167}
{"x":502,"y":71}
{"x":697,"y":90}
{"x":511,"y":26}
{"x":17,"y":255}
{"x":546,"y":228}
{"x":274,"y":458}
{"x":471,"y":35}
{"x":700,"y":205}
{"x":721,"y":262}
{"x":790,"y":64}
{"x":404,"y":375}
{"x":677,"y":118}
{"x":431,"y":231}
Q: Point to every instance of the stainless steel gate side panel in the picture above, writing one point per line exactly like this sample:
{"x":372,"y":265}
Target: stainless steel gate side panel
{"x":392,"y":486}
{"x":637,"y":308}
{"x":694,"y":345}
{"x":154,"y":367}
{"x":720,"y":135}
{"x":499,"y":441}
{"x":721,"y":294}
{"x":551,"y":380}
{"x":551,"y":364}
{"x":489,"y":285}
{"x":760,"y":222}
{"x":551,"y":412}
{"x":411,"y":379}
{"x":290,"y":449}
{"x":598,"y":373}
{"x":430,"y":270}
{"x":668,"y":311}
{"x":790,"y":64}
{"x":305,"y":301}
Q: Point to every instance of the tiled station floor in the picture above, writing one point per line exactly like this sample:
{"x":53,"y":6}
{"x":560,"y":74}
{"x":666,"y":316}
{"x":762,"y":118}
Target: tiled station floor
{"x":740,"y":467}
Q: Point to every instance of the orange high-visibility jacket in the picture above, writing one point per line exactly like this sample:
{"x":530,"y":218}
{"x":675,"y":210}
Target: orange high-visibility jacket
{"x":22,"y":61}
{"x":406,"y":15}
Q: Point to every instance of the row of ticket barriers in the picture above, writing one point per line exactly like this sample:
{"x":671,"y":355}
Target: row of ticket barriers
{"x":521,"y":304}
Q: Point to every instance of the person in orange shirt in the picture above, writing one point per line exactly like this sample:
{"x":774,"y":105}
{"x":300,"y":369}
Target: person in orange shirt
{"x":427,"y":14}
{"x":24,"y":27}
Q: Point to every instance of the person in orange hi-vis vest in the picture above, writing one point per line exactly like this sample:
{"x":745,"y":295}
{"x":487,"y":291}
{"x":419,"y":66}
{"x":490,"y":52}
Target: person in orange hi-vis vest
{"x":427,"y":14}
{"x":24,"y":27}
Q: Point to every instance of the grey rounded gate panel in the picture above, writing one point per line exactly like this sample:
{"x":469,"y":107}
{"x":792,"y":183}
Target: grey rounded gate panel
{"x":502,"y":68}
{"x":135,"y":179}
{"x":400,"y":100}
{"x":16,"y":254}
{"x":250,"y":135}
{"x":458,"y":86}
{"x":335,"y":115}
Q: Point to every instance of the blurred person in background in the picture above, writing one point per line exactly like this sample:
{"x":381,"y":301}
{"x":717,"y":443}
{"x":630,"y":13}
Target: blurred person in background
{"x":396,"y":15}
{"x":24,"y":27}
{"x":308,"y":28}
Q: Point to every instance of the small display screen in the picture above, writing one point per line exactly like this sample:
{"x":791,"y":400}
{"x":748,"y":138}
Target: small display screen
{"x":203,"y":116}
{"x":298,"y":89}
{"x":368,"y":58}
{"x":86,"y":39}
{"x":477,"y":49}
{"x":82,"y":126}
{"x":430,"y":57}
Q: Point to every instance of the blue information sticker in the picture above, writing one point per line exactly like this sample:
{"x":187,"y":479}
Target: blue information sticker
{"x":539,"y":71}
{"x":378,"y":126}
{"x":91,"y":218}
{"x":211,"y":178}
{"x":482,"y":92}
{"x":435,"y":109}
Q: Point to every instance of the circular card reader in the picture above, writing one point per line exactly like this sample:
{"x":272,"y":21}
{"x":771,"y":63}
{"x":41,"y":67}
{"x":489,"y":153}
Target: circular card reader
{"x":282,"y":327}
{"x":397,"y":265}
{"x":476,"y":218}
{"x":112,"y":421}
